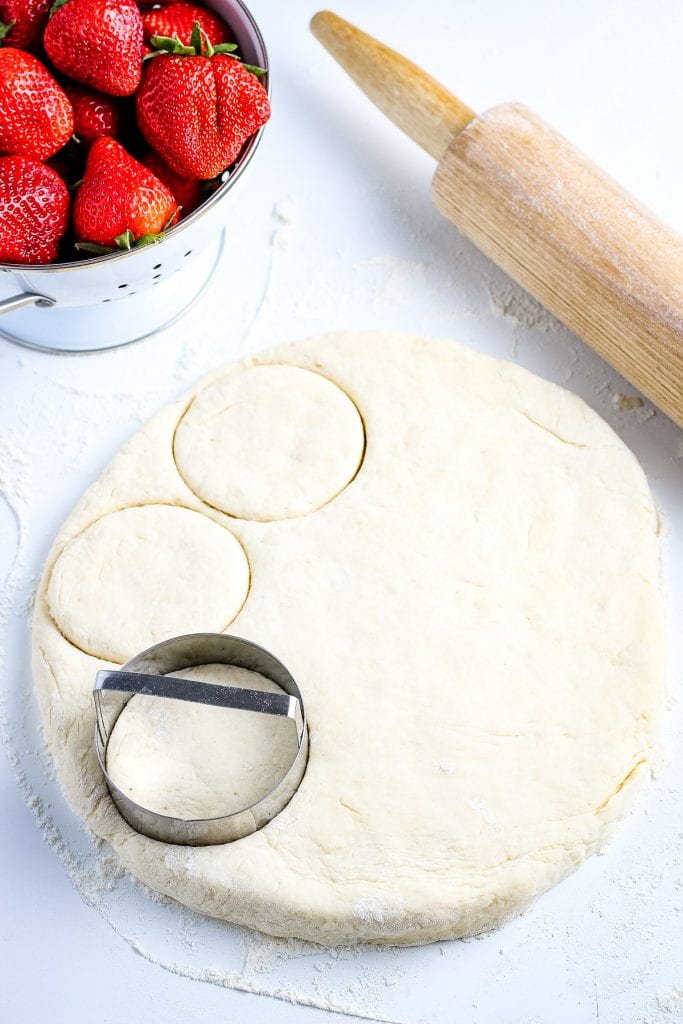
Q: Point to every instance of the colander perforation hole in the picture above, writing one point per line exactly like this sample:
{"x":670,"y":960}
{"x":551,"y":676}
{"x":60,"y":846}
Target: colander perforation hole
{"x":155,"y":277}
{"x":157,"y":266}
{"x":123,"y":286}
{"x":188,"y":253}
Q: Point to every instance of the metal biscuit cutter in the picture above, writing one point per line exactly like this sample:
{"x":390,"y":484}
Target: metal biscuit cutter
{"x":151,"y":674}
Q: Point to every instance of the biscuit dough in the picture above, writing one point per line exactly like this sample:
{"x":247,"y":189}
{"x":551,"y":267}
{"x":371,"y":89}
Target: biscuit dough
{"x":153,"y":750}
{"x":140,"y":575}
{"x":234,"y":451}
{"x":473,"y":614}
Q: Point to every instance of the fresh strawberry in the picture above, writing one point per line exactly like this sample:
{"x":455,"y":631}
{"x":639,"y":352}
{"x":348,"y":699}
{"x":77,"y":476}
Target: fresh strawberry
{"x":34,"y":211}
{"x":97,"y":42}
{"x":177,"y":20}
{"x":22,"y":21}
{"x":120,"y":203}
{"x":36,"y":118}
{"x":197,"y":105}
{"x":95,"y":113}
{"x":188,"y":192}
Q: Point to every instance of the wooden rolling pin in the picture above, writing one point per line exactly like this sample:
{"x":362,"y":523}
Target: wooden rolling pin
{"x":585,"y":248}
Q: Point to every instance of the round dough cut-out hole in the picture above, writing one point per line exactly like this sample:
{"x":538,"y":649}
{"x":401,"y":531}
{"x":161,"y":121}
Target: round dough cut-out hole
{"x":194,"y":761}
{"x":144,"y":574}
{"x":269,"y":442}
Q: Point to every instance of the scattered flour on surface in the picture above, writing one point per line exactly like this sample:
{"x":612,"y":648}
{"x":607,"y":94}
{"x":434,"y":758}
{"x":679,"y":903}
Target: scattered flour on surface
{"x":634,"y":406}
{"x":509,"y":300}
{"x":92,"y":875}
{"x":264,"y":953}
{"x":393,"y":280}
{"x":16,"y":491}
{"x":192,"y":359}
{"x":284,"y":213}
{"x":627,"y":402}
{"x":286,"y":993}
{"x":665,"y":1008}
{"x":672,"y":1001}
{"x":96,"y":874}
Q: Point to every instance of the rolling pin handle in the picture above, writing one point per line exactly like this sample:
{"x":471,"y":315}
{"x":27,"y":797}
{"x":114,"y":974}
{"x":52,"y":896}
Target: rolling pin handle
{"x":418,"y":104}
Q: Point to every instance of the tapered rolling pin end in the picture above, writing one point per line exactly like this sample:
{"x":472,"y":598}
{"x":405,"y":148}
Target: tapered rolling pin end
{"x":412,"y":99}
{"x":324,"y":24}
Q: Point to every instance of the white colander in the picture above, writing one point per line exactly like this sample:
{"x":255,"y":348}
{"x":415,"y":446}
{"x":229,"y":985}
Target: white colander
{"x":112,"y":300}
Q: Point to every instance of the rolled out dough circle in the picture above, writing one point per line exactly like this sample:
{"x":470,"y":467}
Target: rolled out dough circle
{"x":269,"y":442}
{"x":152,"y":751}
{"x":476,"y":624}
{"x":140,"y":575}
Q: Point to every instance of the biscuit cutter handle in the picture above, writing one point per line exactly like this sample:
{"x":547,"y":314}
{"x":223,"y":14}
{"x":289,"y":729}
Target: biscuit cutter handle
{"x":239,"y":698}
{"x":599,"y":260}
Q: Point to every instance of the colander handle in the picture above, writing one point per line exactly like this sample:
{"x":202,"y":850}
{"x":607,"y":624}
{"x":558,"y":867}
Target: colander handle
{"x":25,"y":299}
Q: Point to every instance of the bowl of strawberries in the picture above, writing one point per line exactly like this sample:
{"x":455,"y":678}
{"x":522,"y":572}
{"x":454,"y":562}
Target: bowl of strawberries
{"x":124,"y":130}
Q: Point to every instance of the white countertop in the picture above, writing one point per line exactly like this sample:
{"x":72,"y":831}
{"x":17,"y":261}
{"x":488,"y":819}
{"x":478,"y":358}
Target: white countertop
{"x":334,"y":229}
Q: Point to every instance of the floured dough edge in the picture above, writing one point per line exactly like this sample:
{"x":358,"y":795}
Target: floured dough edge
{"x":168,"y":869}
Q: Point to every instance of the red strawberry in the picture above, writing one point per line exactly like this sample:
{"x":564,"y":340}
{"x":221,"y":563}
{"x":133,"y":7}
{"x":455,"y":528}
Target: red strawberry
{"x":34,"y":211}
{"x":95,"y":114}
{"x":97,"y":42}
{"x":36,"y":118}
{"x":197,"y":110}
{"x":177,"y":20}
{"x":120,"y":202}
{"x":188,"y":192}
{"x":22,"y":21}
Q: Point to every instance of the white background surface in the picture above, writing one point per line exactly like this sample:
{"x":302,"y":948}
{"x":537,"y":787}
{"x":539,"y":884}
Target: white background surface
{"x":334,"y":229}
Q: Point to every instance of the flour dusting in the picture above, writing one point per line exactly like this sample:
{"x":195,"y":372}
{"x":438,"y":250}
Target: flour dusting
{"x":512,"y":302}
{"x":627,"y":402}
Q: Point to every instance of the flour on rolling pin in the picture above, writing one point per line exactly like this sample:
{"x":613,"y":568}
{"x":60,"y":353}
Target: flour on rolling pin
{"x":561,"y":227}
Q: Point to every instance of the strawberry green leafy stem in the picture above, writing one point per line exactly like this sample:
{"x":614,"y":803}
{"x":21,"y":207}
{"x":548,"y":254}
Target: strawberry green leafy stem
{"x":165,"y":44}
{"x":6,"y":27}
{"x":124,"y":242}
{"x":200,"y":46}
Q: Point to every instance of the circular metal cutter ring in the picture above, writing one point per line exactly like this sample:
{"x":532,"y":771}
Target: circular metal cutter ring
{"x":151,"y":674}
